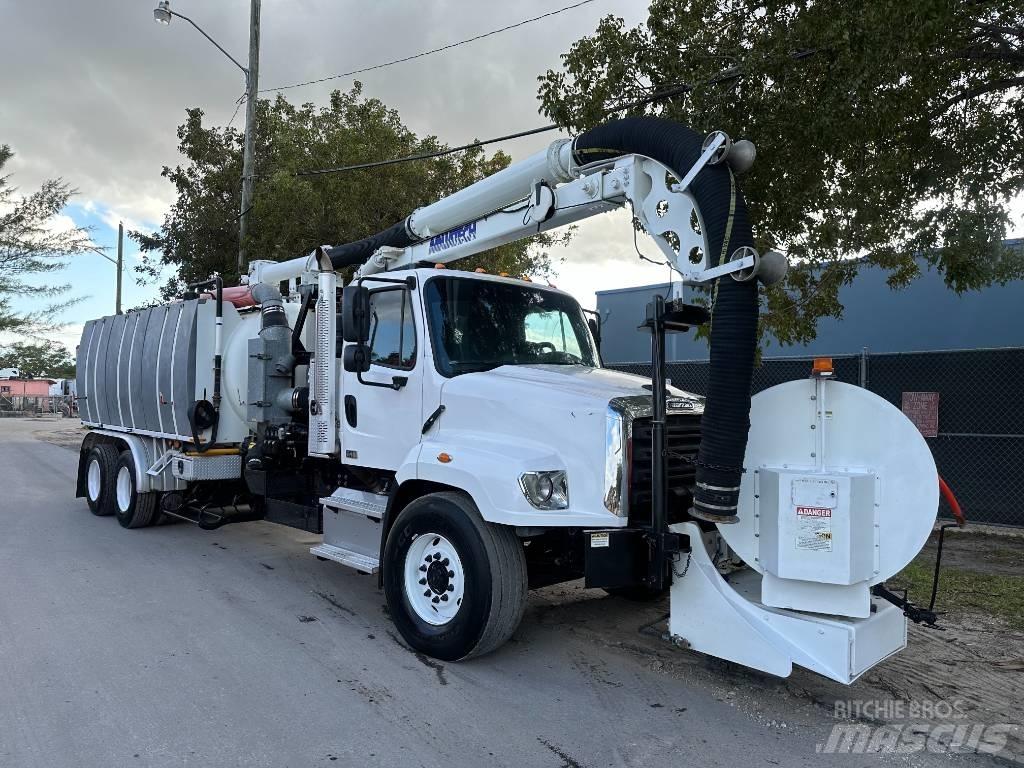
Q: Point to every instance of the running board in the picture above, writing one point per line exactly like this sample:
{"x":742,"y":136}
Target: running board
{"x":358,"y":502}
{"x":361,"y":562}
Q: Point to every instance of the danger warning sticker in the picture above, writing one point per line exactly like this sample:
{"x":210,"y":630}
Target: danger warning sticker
{"x":814,"y":529}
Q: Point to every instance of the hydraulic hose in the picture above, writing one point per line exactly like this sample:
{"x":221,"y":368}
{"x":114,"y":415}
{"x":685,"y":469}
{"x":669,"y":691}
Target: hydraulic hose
{"x":726,"y":420}
{"x":954,"y":505}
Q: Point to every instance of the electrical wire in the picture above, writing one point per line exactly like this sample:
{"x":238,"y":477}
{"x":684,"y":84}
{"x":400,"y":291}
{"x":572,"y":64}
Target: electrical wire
{"x":426,"y":155}
{"x":432,"y":51}
{"x":238,"y":106}
{"x":660,"y":95}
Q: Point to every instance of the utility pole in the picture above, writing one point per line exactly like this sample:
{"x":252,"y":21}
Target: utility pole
{"x":120,"y":266}
{"x":251,"y":88}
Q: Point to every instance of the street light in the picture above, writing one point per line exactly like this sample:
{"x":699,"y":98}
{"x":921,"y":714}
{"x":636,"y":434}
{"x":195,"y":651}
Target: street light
{"x":163,"y":14}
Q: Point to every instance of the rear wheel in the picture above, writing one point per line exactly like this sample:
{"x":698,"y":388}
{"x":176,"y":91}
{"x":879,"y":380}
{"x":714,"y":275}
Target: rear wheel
{"x":100,"y":469}
{"x":455,"y":584}
{"x":133,"y":509}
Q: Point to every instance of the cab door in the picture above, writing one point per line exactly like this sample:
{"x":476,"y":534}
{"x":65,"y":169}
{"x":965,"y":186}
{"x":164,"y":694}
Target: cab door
{"x":381,"y":410}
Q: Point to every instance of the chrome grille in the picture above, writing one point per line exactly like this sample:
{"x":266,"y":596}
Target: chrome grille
{"x":682,"y":440}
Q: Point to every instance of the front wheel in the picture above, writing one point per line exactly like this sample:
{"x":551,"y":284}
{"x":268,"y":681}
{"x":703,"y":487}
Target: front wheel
{"x":455,"y":584}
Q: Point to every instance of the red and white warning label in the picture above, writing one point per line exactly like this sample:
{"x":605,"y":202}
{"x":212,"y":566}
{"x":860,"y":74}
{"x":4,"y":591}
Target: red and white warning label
{"x":814,"y":528}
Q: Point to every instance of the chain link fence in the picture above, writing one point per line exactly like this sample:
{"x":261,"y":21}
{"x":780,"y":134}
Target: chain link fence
{"x":979,"y":445}
{"x":38,"y":405}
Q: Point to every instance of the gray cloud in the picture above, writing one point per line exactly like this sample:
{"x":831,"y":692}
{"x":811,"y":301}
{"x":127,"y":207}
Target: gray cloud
{"x":93,"y":91}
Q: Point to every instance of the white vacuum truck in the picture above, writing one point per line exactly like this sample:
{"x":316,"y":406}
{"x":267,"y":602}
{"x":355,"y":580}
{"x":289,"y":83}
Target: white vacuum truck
{"x":456,"y":433}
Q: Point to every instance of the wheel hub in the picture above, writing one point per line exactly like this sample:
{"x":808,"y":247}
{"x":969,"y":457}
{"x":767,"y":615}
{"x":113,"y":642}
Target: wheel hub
{"x":437,"y":576}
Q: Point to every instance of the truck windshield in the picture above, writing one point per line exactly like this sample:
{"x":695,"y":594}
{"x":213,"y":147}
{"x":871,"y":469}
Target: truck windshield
{"x":477,"y":325}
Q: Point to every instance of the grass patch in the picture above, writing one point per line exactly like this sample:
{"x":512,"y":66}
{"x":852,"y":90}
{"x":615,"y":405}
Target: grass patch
{"x":965,"y":592}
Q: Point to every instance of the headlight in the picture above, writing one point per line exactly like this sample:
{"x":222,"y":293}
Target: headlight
{"x":616,"y":461}
{"x":546,"y":490}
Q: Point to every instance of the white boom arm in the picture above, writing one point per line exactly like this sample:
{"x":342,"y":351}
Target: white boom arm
{"x":543,"y":192}
{"x":523,"y":200}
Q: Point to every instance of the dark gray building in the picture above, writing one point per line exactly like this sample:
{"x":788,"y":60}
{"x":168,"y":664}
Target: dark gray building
{"x":924,"y":316}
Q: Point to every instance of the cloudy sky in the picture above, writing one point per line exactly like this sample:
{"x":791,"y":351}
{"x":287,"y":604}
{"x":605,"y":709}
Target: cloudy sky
{"x":94,"y":91}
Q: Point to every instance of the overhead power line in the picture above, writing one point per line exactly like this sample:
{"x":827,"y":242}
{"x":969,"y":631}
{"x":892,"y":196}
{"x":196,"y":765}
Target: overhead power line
{"x":667,"y":92}
{"x":658,"y":96}
{"x":421,"y":54}
{"x":427,"y":155}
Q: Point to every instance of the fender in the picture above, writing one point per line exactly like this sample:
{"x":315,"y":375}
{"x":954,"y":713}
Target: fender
{"x":144,"y":452}
{"x":489,"y":469}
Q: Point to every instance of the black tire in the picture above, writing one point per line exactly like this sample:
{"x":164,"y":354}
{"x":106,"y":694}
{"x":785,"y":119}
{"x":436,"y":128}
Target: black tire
{"x":104,"y":458}
{"x":495,"y":578}
{"x":637,"y":593}
{"x":133,"y":509}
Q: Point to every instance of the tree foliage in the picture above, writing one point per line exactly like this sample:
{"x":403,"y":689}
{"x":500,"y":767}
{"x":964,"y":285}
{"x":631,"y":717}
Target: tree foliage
{"x":31,"y":245}
{"x":46,"y":358}
{"x":292,"y":214}
{"x":885,"y":130}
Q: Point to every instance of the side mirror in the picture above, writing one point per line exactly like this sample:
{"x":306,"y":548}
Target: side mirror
{"x":355,"y":315}
{"x":595,"y":330}
{"x":356,"y":358}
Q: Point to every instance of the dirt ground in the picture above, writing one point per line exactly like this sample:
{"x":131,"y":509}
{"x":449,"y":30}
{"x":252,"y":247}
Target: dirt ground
{"x":973,"y":661}
{"x":67,"y":433}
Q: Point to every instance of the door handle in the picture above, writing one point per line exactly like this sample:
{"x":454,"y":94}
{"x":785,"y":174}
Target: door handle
{"x":397,"y":382}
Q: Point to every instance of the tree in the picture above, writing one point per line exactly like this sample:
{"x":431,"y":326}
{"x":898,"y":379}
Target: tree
{"x":32,"y":245}
{"x":885,"y":130}
{"x":293,"y":214}
{"x":47,"y":358}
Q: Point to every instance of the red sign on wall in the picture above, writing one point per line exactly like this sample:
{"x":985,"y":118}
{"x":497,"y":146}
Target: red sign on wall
{"x":922,"y":408}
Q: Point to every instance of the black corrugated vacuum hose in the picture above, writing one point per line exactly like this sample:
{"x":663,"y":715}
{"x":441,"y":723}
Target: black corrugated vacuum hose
{"x":351,"y":254}
{"x":726,"y":420}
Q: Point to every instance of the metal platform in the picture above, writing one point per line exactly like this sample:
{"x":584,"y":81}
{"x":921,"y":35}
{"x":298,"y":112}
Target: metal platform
{"x":360,"y":562}
{"x":358,"y":502}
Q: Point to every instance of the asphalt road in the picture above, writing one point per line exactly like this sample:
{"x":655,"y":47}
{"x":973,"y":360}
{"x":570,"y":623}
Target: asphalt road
{"x":171,"y":646}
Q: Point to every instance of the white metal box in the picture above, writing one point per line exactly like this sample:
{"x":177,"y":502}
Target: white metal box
{"x":816,"y":530}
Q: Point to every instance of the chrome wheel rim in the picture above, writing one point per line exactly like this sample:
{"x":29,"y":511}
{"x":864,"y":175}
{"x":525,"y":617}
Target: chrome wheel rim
{"x":435,"y":581}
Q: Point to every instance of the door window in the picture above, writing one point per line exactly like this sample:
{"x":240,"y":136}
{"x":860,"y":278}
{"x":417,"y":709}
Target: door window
{"x":392,"y":330}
